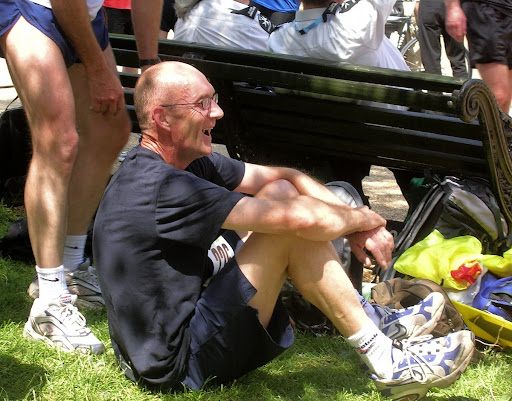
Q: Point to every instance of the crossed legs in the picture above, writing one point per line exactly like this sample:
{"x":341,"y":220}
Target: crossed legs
{"x":314,"y":268}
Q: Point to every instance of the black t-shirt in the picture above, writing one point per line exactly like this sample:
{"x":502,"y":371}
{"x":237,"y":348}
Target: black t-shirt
{"x":151,"y":236}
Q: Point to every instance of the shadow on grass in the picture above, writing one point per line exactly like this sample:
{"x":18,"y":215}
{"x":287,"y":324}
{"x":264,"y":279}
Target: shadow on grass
{"x":20,"y":379}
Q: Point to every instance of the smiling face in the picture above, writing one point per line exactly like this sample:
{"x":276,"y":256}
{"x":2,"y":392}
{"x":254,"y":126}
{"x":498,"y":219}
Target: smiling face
{"x":170,"y":100}
{"x":190,"y":124}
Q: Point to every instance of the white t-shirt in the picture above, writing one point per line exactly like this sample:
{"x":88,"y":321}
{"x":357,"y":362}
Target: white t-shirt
{"x":211,"y":22}
{"x":355,"y":36}
{"x":93,"y":6}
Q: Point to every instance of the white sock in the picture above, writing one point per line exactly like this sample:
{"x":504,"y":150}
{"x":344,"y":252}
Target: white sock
{"x":375,"y":349}
{"x":73,"y":251}
{"x":52,"y":282}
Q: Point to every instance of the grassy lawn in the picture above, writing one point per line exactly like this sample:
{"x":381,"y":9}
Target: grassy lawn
{"x":321,"y":368}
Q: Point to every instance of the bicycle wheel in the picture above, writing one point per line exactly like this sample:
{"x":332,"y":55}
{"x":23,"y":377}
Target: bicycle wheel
{"x":412,"y":55}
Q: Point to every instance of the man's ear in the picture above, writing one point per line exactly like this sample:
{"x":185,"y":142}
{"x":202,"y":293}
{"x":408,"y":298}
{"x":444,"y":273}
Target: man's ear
{"x":159,"y":117}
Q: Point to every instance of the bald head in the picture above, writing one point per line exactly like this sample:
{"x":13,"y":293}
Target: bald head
{"x":165,"y":83}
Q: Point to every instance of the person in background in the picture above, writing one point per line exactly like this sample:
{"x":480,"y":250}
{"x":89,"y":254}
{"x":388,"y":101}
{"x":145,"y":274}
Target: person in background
{"x":431,"y":16}
{"x":169,"y":19}
{"x":488,"y":27}
{"x":227,"y":23}
{"x":119,"y":20}
{"x":352,"y":32}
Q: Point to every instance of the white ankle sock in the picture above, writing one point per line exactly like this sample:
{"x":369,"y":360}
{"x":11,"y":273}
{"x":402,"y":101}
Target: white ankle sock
{"x":73,"y":251}
{"x":52,"y":282}
{"x":374,"y":348}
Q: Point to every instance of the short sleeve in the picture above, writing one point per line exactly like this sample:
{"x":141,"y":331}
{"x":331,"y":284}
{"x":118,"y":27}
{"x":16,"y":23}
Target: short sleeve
{"x":191,"y":210}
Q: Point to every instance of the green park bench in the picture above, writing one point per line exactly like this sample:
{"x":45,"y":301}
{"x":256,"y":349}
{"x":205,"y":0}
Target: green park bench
{"x":299,"y":111}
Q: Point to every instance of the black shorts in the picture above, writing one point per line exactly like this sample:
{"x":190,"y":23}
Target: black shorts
{"x":489,"y":33}
{"x":169,"y":17}
{"x":227,"y":339}
{"x":119,"y":20}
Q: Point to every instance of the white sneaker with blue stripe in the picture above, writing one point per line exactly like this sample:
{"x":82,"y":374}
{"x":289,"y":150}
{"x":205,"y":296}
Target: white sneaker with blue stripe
{"x":414,"y":321}
{"x":425,"y":362}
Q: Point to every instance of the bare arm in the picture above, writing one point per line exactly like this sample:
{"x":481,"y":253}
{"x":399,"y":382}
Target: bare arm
{"x":104,"y":86}
{"x":455,"y":20}
{"x":256,"y":177}
{"x":146,"y":18}
{"x":316,"y":215}
{"x":301,"y":216}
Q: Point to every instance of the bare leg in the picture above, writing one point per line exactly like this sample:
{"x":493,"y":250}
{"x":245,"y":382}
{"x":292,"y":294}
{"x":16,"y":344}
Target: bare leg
{"x":42,"y":82}
{"x":101,"y":139}
{"x":499,"y":79}
{"x":314,"y":268}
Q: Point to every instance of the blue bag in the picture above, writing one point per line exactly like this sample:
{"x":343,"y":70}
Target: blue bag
{"x":495,"y":296}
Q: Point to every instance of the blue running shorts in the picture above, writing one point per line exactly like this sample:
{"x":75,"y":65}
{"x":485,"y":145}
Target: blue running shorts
{"x":43,"y":19}
{"x":227,"y":339}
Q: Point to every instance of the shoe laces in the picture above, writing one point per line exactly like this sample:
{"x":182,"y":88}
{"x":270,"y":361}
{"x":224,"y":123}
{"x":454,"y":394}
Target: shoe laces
{"x":409,"y":348}
{"x":68,"y":314}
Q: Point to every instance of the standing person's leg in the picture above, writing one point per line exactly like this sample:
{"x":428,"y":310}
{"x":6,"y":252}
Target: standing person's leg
{"x":101,"y":138}
{"x":429,"y":32}
{"x":41,"y":80}
{"x":100,"y":141}
{"x":456,"y":53}
{"x":489,"y":34}
{"x":499,"y":79}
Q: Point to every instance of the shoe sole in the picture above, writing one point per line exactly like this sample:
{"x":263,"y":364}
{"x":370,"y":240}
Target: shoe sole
{"x":416,"y":393}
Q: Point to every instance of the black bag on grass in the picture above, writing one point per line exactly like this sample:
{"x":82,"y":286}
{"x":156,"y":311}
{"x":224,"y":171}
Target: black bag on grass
{"x":15,"y":154}
{"x":455,"y":207}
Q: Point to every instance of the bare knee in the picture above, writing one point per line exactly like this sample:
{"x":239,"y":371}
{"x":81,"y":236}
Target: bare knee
{"x":279,"y":189}
{"x":503,"y":97}
{"x":55,"y":147}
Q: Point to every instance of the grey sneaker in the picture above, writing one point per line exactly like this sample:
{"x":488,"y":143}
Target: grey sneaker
{"x":414,"y":321}
{"x":422,"y":363}
{"x":59,"y":323}
{"x":82,"y":282}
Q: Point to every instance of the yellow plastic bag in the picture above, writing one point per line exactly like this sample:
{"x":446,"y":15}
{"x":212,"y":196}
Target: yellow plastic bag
{"x":501,"y":266}
{"x":453,"y":263}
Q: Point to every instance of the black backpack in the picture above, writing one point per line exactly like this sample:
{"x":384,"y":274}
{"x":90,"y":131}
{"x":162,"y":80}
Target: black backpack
{"x":15,"y":154}
{"x":455,"y":207}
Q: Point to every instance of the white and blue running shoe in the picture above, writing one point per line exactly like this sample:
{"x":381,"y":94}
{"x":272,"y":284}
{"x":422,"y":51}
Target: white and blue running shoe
{"x":425,"y":362}
{"x":414,"y":321}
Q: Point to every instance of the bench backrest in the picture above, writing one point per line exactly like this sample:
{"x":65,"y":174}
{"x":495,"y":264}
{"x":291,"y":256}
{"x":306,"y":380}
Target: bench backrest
{"x":286,"y":109}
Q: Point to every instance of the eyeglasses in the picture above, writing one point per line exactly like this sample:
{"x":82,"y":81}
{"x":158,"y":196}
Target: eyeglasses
{"x":205,"y":103}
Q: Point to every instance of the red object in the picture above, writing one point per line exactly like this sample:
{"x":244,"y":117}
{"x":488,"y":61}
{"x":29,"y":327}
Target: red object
{"x":469,"y":271}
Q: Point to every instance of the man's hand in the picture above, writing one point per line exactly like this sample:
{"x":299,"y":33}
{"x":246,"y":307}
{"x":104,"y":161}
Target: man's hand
{"x":107,"y":96}
{"x":378,"y":241}
{"x":455,"y":20}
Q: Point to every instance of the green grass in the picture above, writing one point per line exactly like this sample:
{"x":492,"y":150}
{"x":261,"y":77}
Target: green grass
{"x":322,"y":368}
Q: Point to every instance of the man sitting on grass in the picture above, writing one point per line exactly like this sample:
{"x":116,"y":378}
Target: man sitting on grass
{"x":154,"y":230}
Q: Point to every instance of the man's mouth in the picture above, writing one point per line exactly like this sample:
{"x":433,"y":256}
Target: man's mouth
{"x":207,"y":132}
